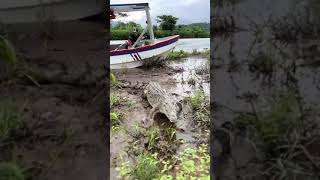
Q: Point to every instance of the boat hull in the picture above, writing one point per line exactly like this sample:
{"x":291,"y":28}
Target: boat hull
{"x":57,"y":10}
{"x":133,"y":58}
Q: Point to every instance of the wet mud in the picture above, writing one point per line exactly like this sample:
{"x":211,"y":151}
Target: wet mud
{"x":64,"y":131}
{"x":125,"y":144}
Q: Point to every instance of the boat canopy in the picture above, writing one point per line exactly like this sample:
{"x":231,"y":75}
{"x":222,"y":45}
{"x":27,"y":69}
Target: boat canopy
{"x":129,"y":7}
{"x":118,"y":8}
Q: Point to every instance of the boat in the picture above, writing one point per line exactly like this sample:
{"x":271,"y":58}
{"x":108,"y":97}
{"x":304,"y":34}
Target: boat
{"x":143,"y":49}
{"x":28,"y":11}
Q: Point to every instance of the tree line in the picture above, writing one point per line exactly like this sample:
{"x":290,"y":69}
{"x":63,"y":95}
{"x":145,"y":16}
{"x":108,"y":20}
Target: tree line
{"x":167,"y":26}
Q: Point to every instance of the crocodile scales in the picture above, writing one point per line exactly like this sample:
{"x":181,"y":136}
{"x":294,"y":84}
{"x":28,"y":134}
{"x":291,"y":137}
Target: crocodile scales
{"x":163,"y":102}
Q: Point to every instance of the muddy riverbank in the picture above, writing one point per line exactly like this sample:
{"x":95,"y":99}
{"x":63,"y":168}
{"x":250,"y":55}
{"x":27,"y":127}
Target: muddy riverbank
{"x":180,"y":79}
{"x":63,"y":132}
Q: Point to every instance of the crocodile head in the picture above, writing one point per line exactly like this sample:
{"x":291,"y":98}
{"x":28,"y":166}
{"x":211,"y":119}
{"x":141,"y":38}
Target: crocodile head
{"x":170,"y":111}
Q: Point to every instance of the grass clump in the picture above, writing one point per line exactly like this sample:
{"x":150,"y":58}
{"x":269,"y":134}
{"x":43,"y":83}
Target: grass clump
{"x":114,"y":100}
{"x":152,"y":135}
{"x":10,"y":119}
{"x":196,"y":101}
{"x":113,"y":80}
{"x":10,"y":171}
{"x":199,"y":107}
{"x":146,"y":168}
{"x":176,"y":55}
{"x":115,"y":118}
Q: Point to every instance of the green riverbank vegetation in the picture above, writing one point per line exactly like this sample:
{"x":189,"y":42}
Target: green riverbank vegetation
{"x":167,"y":27}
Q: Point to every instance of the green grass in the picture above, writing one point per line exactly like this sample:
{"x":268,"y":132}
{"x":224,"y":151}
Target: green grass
{"x":152,"y":135}
{"x":193,"y":163}
{"x":115,"y":118}
{"x":113,"y":80}
{"x":176,"y":55}
{"x":10,"y":119}
{"x":114,"y":100}
{"x":11,"y":171}
{"x":146,"y":168}
{"x":200,"y":111}
{"x":196,"y":101}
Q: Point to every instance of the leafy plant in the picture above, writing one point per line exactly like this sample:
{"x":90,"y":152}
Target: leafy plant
{"x":194,"y":164}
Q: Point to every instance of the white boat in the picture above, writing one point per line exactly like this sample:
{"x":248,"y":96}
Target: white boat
{"x":134,"y":56}
{"x":27,"y":11}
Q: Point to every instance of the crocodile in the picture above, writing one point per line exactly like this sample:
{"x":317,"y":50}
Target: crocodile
{"x":162,"y":102}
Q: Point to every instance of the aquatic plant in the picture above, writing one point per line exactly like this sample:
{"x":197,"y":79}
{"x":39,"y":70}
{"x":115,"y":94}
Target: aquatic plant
{"x":11,"y":171}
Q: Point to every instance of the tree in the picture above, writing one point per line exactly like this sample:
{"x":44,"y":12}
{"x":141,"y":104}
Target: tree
{"x":167,"y":22}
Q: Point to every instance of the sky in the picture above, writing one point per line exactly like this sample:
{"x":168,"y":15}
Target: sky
{"x":188,"y":11}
